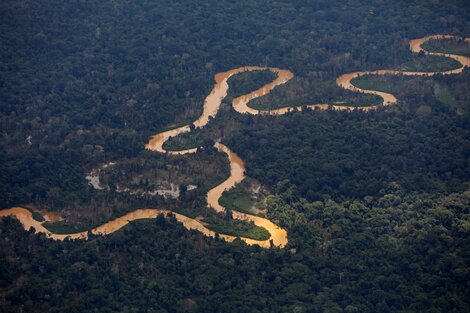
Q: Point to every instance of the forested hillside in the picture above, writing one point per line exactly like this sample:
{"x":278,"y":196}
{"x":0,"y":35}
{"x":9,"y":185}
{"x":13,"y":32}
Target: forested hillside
{"x":376,"y":204}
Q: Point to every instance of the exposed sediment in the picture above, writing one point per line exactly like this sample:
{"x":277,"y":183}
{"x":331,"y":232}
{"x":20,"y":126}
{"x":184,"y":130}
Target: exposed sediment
{"x":212,"y":104}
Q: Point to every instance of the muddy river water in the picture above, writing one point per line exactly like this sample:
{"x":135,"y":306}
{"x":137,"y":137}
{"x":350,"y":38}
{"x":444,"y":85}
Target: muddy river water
{"x":212,"y":104}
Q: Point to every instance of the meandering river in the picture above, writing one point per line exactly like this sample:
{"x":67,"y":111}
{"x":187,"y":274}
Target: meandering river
{"x":212,"y":104}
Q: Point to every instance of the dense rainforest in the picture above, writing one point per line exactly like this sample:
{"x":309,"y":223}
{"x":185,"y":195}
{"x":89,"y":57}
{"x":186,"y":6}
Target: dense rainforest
{"x":376,"y":204}
{"x":396,"y":254}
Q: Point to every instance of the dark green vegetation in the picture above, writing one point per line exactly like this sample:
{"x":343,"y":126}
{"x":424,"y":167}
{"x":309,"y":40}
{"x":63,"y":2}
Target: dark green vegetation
{"x":63,"y":227}
{"x":452,"y":46}
{"x":375,"y":204}
{"x":36,"y":215}
{"x":91,"y":81}
{"x":237,"y":200}
{"x":431,"y":63}
{"x":353,"y":155}
{"x":241,"y":84}
{"x":371,"y":82}
{"x":248,"y":197}
{"x":449,"y":91}
{"x":237,"y":228}
{"x":298,"y":91}
{"x":395,"y":253}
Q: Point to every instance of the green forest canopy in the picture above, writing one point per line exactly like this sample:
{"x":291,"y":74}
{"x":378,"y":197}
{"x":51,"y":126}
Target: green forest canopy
{"x":375,"y":203}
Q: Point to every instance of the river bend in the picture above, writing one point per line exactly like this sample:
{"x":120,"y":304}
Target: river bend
{"x":278,"y":235}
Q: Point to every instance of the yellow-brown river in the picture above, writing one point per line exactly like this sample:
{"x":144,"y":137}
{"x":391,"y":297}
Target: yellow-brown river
{"x":212,"y":104}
